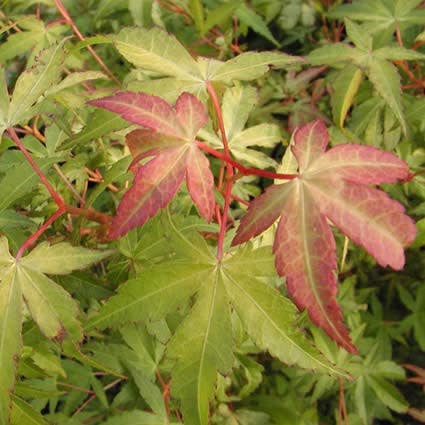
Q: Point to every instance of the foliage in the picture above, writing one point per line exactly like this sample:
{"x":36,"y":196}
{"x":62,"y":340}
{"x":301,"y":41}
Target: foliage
{"x":129,"y":297}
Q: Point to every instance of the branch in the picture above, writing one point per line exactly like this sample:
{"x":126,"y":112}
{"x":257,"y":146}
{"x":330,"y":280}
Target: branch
{"x":229,"y":170}
{"x":246,"y":171}
{"x":89,"y":214}
{"x":34,"y":237}
{"x":56,"y":197}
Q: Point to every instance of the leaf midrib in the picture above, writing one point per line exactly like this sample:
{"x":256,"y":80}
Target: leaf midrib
{"x":180,"y":71}
{"x":307,"y":262}
{"x":205,"y":342}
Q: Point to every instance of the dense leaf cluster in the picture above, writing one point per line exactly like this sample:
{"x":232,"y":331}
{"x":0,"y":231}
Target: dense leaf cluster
{"x":190,"y":225}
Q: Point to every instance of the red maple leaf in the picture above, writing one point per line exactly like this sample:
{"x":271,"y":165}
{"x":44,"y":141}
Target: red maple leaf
{"x":330,"y":185}
{"x":169,"y":138}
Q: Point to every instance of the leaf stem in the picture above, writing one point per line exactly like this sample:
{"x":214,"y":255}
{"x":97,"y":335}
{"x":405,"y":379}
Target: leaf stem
{"x":89,"y":214}
{"x":33,"y":238}
{"x":342,"y":409}
{"x":94,"y":395}
{"x":75,"y":387}
{"x":56,"y":197}
{"x":246,"y":171}
{"x":63,"y":11}
{"x":217,"y":108}
{"x":229,"y":170}
{"x":165,"y":392}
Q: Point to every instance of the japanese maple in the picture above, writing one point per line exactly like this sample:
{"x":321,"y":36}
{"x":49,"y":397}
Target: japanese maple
{"x":332,"y":185}
{"x":192,"y":314}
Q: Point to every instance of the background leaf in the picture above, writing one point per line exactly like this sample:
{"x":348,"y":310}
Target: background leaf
{"x":10,"y":338}
{"x":35,"y":81}
{"x":61,"y":258}
{"x":203,"y":346}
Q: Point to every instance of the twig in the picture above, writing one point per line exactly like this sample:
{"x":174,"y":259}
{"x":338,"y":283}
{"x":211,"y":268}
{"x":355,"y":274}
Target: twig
{"x":56,"y":197}
{"x":246,"y":171}
{"x":62,"y":10}
{"x":97,"y":177}
{"x":240,"y":200}
{"x":93,"y":396}
{"x":342,"y":408}
{"x":75,"y":387}
{"x":89,"y":214}
{"x":77,"y":196}
{"x":33,"y":238}
{"x":229,"y":170}
{"x":165,"y":392}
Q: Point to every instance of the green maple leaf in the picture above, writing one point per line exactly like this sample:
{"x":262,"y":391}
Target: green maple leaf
{"x":23,"y":282}
{"x":203,"y":344}
{"x":382,"y":15}
{"x":35,"y":81}
{"x":162,"y":54}
{"x":376,"y":64}
{"x":20,"y":42}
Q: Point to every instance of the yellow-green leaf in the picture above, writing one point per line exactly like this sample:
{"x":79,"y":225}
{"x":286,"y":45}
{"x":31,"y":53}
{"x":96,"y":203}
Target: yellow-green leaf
{"x":345,"y":86}
{"x":34,"y":81}
{"x":61,"y":258}
{"x":10,"y":338}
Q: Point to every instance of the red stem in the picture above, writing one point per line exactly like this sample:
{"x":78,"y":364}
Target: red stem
{"x":62,"y":207}
{"x":89,"y":214}
{"x":240,"y":200}
{"x":62,"y":10}
{"x":229,"y":170}
{"x":56,"y":197}
{"x":165,"y":392}
{"x":220,"y":120}
{"x":247,"y":171}
{"x":33,"y":238}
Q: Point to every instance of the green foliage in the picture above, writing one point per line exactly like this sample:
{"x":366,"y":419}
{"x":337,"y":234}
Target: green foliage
{"x":169,"y":323}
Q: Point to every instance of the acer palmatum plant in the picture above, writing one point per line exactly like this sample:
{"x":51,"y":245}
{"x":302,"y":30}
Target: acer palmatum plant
{"x":333,"y":184}
{"x":173,"y":323}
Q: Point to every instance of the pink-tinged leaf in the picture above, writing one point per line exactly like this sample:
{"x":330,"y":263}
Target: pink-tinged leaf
{"x":143,"y":109}
{"x":200,"y":182}
{"x":305,"y":253}
{"x":330,"y":185}
{"x":155,"y":184}
{"x":191,"y":114}
{"x":310,"y":143}
{"x":143,"y":143}
{"x":367,"y":216}
{"x":360,"y":164}
{"x":263,"y":211}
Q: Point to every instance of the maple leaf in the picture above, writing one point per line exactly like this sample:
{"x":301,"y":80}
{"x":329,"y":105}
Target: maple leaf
{"x":330,"y":185}
{"x":203,"y":343}
{"x":168,"y":137}
{"x":373,"y":61}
